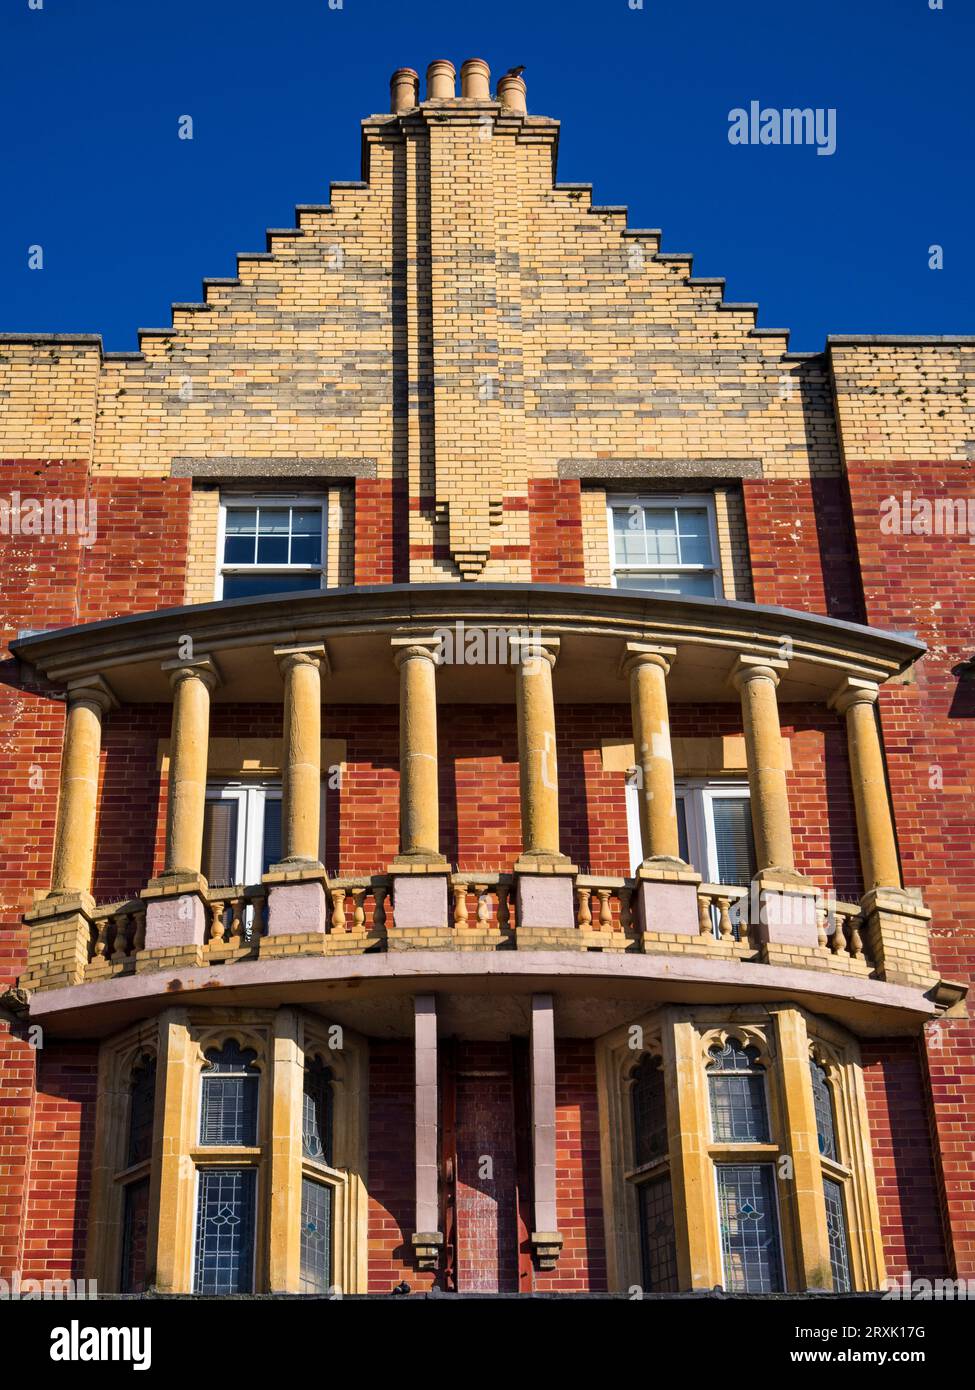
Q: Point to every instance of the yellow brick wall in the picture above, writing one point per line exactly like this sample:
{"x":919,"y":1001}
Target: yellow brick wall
{"x":909,"y":401}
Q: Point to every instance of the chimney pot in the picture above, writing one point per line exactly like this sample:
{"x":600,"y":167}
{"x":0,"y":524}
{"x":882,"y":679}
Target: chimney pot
{"x":512,"y":94}
{"x":475,"y":80}
{"x":404,"y":90}
{"x":441,"y":80}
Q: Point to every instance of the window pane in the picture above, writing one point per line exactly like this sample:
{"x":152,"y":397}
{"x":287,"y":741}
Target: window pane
{"x":135,"y":1228}
{"x":649,"y":1111}
{"x":225,"y":1231}
{"x":306,"y":550}
{"x":733,"y":839}
{"x":682,"y":845}
{"x":306,"y":521}
{"x":142,"y":1101}
{"x":316,"y":1237}
{"x":628,"y":536}
{"x":273,"y":521}
{"x":220,"y":840}
{"x":316,"y":1126}
{"x":239,"y":550}
{"x":272,"y":550}
{"x":271,"y":843}
{"x":691,"y":584}
{"x":228,"y":1112}
{"x":251,"y":585}
{"x":662,"y":546}
{"x":658,"y":1246}
{"x":749,"y":1228}
{"x":739,"y":1114}
{"x":695,"y":536}
{"x":839,"y":1254}
{"x":241,"y":521}
{"x":822,"y":1095}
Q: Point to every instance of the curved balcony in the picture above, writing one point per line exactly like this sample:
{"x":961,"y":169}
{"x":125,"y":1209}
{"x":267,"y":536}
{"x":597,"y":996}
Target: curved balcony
{"x":304,"y":934}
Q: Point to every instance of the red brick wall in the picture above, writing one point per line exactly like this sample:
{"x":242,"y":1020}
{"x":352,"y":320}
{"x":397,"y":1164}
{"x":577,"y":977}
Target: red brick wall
{"x":801,"y":546}
{"x":487,"y":1225}
{"x":381,"y":532}
{"x":392,"y":1186}
{"x":926,"y":583}
{"x":60,"y":1175}
{"x":907,"y":1188}
{"x":555,"y":528}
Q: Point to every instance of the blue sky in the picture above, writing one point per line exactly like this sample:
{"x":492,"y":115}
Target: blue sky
{"x":131,"y":218}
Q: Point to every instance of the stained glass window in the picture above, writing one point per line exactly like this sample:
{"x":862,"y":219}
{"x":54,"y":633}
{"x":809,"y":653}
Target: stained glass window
{"x":228,"y":1113}
{"x":135,"y":1227}
{"x":839,"y":1254}
{"x":657,"y":1241}
{"x":822,"y":1095}
{"x":142,"y":1101}
{"x":316,"y":1236}
{"x":225,"y":1231}
{"x":739,"y":1113}
{"x":749,"y":1228}
{"x":316,"y":1129}
{"x":649,"y":1111}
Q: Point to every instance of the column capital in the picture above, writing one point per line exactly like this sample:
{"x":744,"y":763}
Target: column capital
{"x":421,"y":648}
{"x":93,"y":690}
{"x":853,"y":691}
{"x":534,"y":648}
{"x":313,"y":655}
{"x":750,"y":668}
{"x":204,"y":668}
{"x":636,"y":654}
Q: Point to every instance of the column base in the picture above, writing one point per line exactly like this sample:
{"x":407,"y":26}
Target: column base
{"x":897,"y":935}
{"x":297,"y":904}
{"x":427,"y":1246}
{"x":176,"y":915}
{"x":666,"y":897}
{"x":782,"y":909}
{"x":420,"y":900}
{"x":546,"y":1247}
{"x":59,"y":940}
{"x":545,"y":909}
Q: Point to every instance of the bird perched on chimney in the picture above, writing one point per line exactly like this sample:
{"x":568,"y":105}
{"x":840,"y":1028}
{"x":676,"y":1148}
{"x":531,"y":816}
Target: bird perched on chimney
{"x":515,"y":72}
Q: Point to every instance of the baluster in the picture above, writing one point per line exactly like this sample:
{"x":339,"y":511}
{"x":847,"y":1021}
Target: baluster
{"x":139,"y":935}
{"x":236,"y":918}
{"x":359,"y":909}
{"x":504,"y":907}
{"x":626,"y":908}
{"x":260,"y":912}
{"x":822,"y":917}
{"x":101,"y":938}
{"x":379,"y":907}
{"x":605,"y":910}
{"x":483,"y":905}
{"x":856,"y":940}
{"x":837,"y":941}
{"x":460,"y":905}
{"x":724,"y":919}
{"x":584,"y":915}
{"x":338,"y":908}
{"x":120,"y":945}
{"x":705,"y":925}
{"x":217,"y":907}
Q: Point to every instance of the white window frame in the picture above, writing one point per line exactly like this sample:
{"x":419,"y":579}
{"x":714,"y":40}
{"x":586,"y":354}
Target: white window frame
{"x":250,"y":798}
{"x":698,"y":795}
{"x":618,"y":572}
{"x":268,"y":499}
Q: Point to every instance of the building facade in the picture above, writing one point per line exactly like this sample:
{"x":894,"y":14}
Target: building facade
{"x":488,"y":764}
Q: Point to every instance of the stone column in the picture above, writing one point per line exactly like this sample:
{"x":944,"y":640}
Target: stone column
{"x":175,"y":912}
{"x":419,"y":870}
{"x":287,"y":1082}
{"x":756,"y":679}
{"x":301,"y":763}
{"x":419,"y":790}
{"x":192,"y":684}
{"x":856,"y":699}
{"x":648,"y":668}
{"x":782,"y":905}
{"x":546,"y":1239}
{"x":74,"y":835}
{"x":543,"y":893}
{"x":808,"y":1207}
{"x":427,"y":1240}
{"x":536,"y":747}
